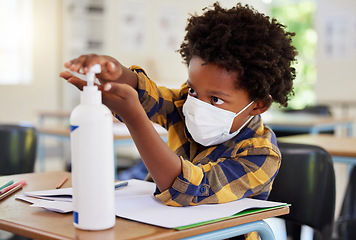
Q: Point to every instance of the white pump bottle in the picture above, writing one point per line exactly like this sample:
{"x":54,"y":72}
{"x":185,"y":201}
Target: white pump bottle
{"x":92,"y":153}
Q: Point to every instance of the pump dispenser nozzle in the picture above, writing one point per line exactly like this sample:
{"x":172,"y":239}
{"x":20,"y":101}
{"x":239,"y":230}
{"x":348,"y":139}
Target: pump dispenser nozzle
{"x":91,"y":74}
{"x":90,"y":94}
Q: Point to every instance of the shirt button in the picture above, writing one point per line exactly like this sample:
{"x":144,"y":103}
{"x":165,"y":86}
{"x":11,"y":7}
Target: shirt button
{"x":203,"y":189}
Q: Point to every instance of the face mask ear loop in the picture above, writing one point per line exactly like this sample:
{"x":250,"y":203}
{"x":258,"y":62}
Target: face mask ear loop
{"x":243,"y":125}
{"x":248,"y":105}
{"x":248,"y":120}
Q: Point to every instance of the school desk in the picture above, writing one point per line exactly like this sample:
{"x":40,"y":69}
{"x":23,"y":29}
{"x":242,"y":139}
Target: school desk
{"x":37,"y":223}
{"x":342,"y":149}
{"x":301,"y":122}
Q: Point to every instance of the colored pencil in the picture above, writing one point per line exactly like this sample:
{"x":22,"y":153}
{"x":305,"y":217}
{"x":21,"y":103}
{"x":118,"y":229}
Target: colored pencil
{"x":6,"y":184}
{"x":60,"y":183}
{"x":22,"y":182}
{"x":11,"y":191}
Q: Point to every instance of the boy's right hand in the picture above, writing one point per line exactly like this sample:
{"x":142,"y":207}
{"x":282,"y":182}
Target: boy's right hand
{"x":111,"y":69}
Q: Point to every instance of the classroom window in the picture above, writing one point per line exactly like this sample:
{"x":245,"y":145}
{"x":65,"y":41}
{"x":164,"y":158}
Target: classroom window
{"x":298,"y":16}
{"x":16,"y":29}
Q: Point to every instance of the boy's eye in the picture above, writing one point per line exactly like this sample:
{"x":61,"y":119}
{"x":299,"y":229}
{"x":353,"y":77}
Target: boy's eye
{"x":192,"y":92}
{"x":216,"y":101}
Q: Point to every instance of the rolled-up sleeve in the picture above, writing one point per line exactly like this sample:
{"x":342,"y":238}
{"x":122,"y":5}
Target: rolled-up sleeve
{"x":157,"y":101}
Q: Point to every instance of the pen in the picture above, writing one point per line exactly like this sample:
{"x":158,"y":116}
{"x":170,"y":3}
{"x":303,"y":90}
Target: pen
{"x":11,"y":191}
{"x":60,"y":183}
{"x":23,"y":182}
{"x":120,"y":184}
{"x":6,"y":184}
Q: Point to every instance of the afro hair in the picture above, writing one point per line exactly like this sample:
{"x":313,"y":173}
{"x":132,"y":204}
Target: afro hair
{"x":246,"y":42}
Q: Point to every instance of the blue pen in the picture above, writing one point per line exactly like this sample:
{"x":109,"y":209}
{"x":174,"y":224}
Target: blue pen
{"x":120,"y":184}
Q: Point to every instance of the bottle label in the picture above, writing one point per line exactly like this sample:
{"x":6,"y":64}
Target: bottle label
{"x":75,"y":217}
{"x":73,"y":127}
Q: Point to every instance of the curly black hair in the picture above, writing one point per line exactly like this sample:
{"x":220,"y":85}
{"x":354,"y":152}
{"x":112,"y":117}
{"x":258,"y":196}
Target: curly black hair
{"x":247,"y":42}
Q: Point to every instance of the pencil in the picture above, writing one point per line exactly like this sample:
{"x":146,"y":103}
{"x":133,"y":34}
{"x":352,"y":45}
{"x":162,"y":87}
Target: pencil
{"x":11,"y":191}
{"x":6,"y":184}
{"x":23,"y":182}
{"x":60,"y":183}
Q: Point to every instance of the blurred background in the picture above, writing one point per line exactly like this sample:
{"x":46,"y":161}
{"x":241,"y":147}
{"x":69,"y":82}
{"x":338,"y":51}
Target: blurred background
{"x":38,"y":36}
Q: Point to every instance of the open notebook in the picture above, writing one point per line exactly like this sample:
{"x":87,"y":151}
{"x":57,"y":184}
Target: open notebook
{"x":136,"y":202}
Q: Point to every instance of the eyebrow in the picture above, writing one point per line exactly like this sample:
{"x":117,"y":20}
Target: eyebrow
{"x":218,"y":93}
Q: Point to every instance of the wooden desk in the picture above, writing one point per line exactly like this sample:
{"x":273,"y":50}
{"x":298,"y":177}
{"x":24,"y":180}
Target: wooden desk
{"x":301,"y":122}
{"x":343,"y":149}
{"x":18,"y":217}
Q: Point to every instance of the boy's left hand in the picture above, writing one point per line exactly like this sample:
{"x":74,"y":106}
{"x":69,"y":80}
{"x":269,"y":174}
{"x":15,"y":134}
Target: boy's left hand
{"x":123,"y":100}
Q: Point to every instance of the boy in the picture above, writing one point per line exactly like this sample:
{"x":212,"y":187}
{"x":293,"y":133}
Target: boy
{"x":218,"y":149}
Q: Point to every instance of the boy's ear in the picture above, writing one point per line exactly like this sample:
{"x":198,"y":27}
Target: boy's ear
{"x":260,"y":107}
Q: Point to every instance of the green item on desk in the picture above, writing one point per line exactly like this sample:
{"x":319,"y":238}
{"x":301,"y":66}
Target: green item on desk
{"x":7,"y":184}
{"x":240,"y":214}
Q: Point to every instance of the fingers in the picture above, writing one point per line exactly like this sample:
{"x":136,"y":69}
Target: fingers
{"x":77,"y":82}
{"x":123,"y":91}
{"x":85,"y":62}
{"x":114,"y":89}
{"x":66,"y":75}
{"x":73,"y":80}
{"x":122,"y":99}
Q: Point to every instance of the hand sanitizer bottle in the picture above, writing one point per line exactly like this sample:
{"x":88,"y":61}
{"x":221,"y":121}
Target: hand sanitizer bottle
{"x":92,"y":153}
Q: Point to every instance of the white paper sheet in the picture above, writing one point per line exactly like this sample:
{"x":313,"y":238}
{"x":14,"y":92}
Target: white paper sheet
{"x":136,"y":202}
{"x":55,"y":206}
{"x":63,"y":194}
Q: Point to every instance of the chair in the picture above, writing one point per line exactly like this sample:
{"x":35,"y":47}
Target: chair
{"x":306,"y":180}
{"x":345,"y":226}
{"x":18,"y":146}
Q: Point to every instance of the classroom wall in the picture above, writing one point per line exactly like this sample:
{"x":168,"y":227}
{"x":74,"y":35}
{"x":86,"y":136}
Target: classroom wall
{"x":336,"y":52}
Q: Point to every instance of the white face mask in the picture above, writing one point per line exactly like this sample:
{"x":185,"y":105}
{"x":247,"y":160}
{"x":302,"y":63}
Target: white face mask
{"x":209,"y":125}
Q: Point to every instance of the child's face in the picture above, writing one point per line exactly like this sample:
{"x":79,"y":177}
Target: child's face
{"x":216,"y":86}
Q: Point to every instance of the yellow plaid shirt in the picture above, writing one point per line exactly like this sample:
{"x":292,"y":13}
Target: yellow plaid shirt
{"x":244,"y":166}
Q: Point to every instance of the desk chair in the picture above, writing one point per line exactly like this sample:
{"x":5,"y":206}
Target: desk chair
{"x":306,"y":180}
{"x":345,"y":226}
{"x":18,"y":145}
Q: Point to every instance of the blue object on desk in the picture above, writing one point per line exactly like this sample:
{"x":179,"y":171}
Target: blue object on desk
{"x":120,"y":185}
{"x":263,"y":229}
